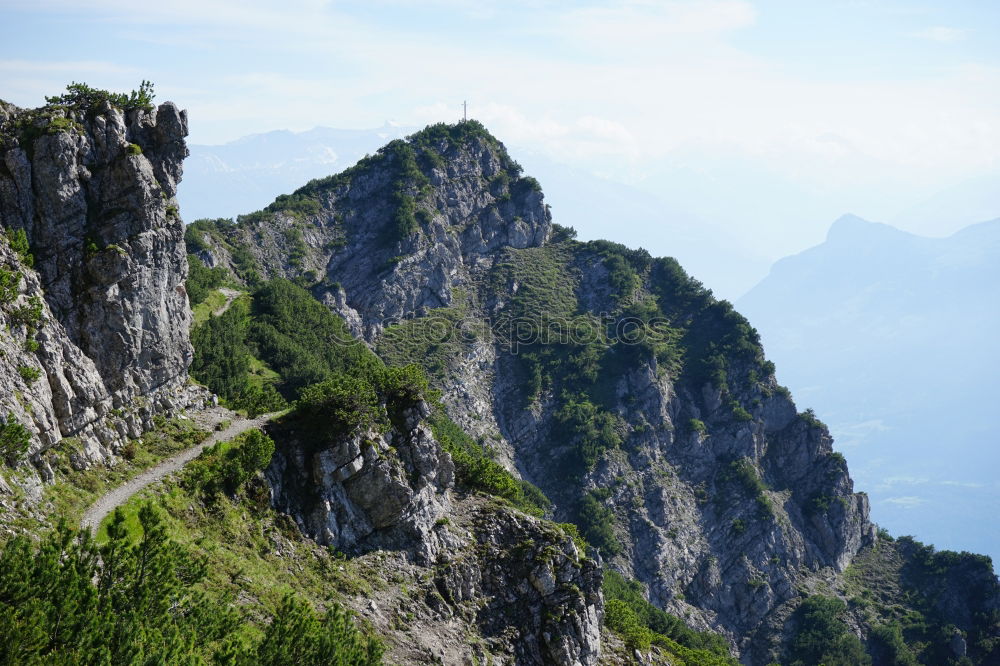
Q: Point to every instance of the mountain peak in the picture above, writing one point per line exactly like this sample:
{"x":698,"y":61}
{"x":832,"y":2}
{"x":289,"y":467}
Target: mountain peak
{"x":850,"y":228}
{"x":416,"y":155}
{"x":411,"y":215}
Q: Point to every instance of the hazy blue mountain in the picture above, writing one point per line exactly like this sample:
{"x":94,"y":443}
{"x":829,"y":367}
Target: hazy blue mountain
{"x":892,"y":338}
{"x":247,"y":174}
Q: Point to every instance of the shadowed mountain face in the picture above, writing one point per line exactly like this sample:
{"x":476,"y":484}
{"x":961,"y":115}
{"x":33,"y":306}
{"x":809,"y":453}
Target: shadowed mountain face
{"x":892,"y":338}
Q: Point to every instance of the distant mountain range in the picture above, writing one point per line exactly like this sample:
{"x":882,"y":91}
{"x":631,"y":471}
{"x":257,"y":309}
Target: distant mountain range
{"x":893,"y":339}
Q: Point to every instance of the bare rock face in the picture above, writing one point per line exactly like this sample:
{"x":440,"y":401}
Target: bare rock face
{"x":471,"y":222}
{"x":516,"y":582}
{"x":470,"y":205}
{"x":368,"y":489}
{"x":94,"y":193}
{"x":711,"y":547}
{"x":525,"y":575}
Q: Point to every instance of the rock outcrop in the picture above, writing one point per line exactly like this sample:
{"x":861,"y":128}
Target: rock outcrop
{"x":519,"y":576}
{"x":369,"y":489}
{"x":93,"y":193}
{"x":516,"y":583}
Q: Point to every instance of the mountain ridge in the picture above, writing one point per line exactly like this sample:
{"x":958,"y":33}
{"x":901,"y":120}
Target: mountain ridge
{"x":641,"y":405}
{"x":476,"y":379}
{"x":590,"y":201}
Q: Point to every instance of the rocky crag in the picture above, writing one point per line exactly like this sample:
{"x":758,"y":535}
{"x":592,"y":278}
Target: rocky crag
{"x":481,"y":582}
{"x":644,"y":408}
{"x":93,"y":264}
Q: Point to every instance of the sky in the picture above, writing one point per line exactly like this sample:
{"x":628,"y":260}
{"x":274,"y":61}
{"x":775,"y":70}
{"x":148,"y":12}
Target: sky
{"x":767,"y":118}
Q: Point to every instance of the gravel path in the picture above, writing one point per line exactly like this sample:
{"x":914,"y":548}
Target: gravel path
{"x":231,"y":295}
{"x":115,"y":498}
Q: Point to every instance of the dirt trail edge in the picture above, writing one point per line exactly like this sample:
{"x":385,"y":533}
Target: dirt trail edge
{"x":231,"y":295}
{"x":115,"y":498}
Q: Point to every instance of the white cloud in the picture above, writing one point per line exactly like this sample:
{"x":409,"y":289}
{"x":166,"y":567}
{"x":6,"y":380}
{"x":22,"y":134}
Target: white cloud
{"x":64,"y":67}
{"x":892,"y":481}
{"x":963,"y":484}
{"x":941,"y":34}
{"x":906,"y":502}
{"x":905,"y":480}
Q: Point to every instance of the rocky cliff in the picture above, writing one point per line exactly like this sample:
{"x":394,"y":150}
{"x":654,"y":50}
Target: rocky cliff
{"x":642,"y":406}
{"x":95,"y":301}
{"x":477,"y":581}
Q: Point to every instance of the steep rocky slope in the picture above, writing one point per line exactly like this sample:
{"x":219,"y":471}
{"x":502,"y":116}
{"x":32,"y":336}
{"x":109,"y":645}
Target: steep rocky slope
{"x":476,"y":581}
{"x":93,"y":294}
{"x":94,"y":297}
{"x":368,"y":465}
{"x":643,"y":407}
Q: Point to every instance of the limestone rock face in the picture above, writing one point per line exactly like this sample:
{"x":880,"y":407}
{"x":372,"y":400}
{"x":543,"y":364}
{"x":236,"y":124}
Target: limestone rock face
{"x":473,"y":205}
{"x":94,"y":193}
{"x":516,"y":582}
{"x":368,"y":489}
{"x":526,"y":575}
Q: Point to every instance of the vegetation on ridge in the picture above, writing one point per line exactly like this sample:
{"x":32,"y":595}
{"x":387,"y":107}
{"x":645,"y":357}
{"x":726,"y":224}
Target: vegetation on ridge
{"x":641,"y":624}
{"x":403,"y":197}
{"x":906,"y":592}
{"x":65,"y":112}
{"x":81,"y":97}
{"x":69,"y":600}
{"x":822,"y":637}
{"x":339,"y":383}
